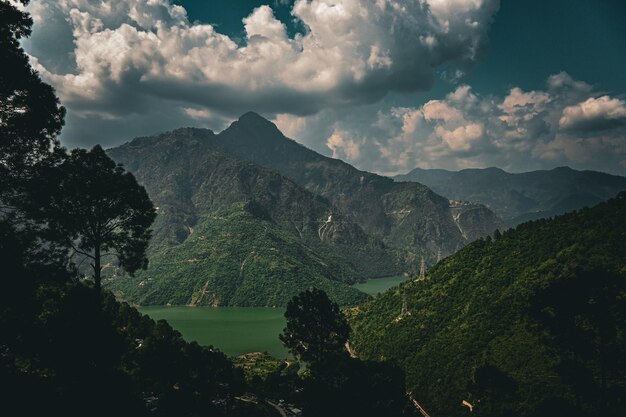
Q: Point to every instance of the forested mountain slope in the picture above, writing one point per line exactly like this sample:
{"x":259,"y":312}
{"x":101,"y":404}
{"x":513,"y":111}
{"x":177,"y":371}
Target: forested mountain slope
{"x":543,"y":304}
{"x":225,"y":225}
{"x":310,"y":220}
{"x":407,"y":216}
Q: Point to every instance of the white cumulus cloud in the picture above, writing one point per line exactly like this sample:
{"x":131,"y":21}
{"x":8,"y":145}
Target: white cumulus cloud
{"x":594,"y":114}
{"x":122,"y":58}
{"x":567,"y":123}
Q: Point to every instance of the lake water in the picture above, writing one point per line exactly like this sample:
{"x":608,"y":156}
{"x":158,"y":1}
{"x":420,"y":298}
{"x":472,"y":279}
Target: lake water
{"x":234,"y":330}
{"x":238,"y":330}
{"x":378,"y":285}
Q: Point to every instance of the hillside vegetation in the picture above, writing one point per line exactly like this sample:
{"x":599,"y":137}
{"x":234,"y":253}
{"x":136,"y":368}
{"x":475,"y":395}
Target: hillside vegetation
{"x":542,"y":304}
{"x":234,"y":258}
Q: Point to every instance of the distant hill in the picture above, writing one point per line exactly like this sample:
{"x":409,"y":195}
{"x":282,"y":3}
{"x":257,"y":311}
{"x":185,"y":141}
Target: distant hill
{"x":480,"y":306}
{"x":309,"y":220}
{"x":521,"y":197}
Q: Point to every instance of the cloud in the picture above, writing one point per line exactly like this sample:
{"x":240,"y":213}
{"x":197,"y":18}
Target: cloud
{"x":109,"y":59}
{"x":567,"y":123}
{"x":342,"y":147}
{"x":594,"y":114}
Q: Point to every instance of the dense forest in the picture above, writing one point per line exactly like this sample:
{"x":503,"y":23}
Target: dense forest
{"x":528,"y":321}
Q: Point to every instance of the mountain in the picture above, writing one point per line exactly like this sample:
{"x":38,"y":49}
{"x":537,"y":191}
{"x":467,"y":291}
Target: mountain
{"x":545,"y":304}
{"x":407,"y":216}
{"x":521,"y":197}
{"x":250,"y":217}
{"x":229,"y":232}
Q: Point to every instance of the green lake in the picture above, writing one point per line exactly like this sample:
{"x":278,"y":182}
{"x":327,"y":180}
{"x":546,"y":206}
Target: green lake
{"x":238,"y":330}
{"x":378,"y":285}
{"x":234,"y":330}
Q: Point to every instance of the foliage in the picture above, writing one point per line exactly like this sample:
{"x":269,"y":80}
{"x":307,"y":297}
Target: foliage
{"x":335,"y":384}
{"x":269,"y":377}
{"x":343,"y":386}
{"x":61,"y":354}
{"x":584,"y":316}
{"x":30,"y":114}
{"x":315,"y":328}
{"x":30,"y":119}
{"x":492,"y":391}
{"x":101,"y":209}
{"x":501,"y":302}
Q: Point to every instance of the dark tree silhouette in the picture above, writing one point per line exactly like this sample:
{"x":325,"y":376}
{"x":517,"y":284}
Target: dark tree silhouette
{"x":336,"y":384}
{"x":316,"y":328}
{"x":30,"y":114}
{"x":102,"y":210}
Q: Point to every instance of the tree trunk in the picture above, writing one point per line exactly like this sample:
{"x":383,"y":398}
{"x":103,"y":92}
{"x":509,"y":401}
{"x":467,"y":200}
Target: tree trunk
{"x":97,"y":269}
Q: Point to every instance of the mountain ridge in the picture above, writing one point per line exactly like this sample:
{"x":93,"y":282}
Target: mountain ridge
{"x":194,"y":185}
{"x":519,"y":197}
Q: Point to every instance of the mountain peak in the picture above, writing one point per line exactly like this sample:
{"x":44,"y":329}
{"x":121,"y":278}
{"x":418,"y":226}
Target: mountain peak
{"x":255,"y":125}
{"x":253,"y":117}
{"x":252,"y":128}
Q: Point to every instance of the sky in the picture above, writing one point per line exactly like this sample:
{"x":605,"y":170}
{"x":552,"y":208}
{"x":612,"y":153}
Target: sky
{"x":386,"y":85}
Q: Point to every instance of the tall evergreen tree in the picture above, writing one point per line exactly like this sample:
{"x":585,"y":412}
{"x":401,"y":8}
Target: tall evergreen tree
{"x":103,"y":211}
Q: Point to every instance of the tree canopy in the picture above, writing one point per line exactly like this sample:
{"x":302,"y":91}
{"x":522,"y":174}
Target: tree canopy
{"x":316,"y":328}
{"x":30,"y":114}
{"x":102,"y":210}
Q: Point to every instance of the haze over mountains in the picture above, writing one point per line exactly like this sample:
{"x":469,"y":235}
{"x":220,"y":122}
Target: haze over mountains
{"x":250,"y":217}
{"x":520,"y":197}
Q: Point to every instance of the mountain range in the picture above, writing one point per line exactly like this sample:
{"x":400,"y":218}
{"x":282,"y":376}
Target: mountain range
{"x":517,"y":198}
{"x":250,"y":217}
